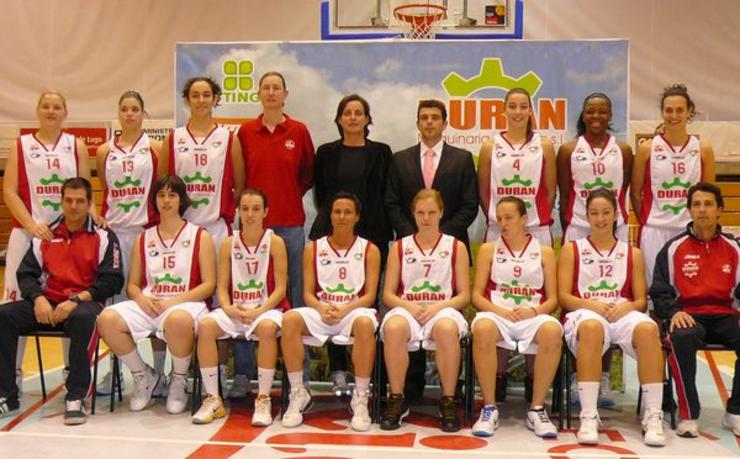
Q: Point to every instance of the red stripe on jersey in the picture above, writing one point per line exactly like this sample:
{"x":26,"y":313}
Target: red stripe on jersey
{"x":105,"y":208}
{"x":399,"y":290}
{"x":195,"y":279}
{"x":316,"y":286}
{"x":576,"y":269}
{"x":171,"y":159}
{"x":626,"y":291}
{"x":228,"y":207}
{"x":647,"y":195}
{"x":571,"y":201}
{"x":77,"y":154}
{"x":152,"y":215}
{"x":454,"y":271}
{"x":24,"y":191}
{"x":142,"y":256}
{"x":540,"y":200}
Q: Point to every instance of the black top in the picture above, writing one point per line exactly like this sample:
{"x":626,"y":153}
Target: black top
{"x":359,"y":170}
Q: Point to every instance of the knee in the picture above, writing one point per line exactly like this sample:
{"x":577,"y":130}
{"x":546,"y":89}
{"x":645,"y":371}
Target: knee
{"x":107,"y":320}
{"x":363,"y":328}
{"x":208,"y":329}
{"x":591,"y":330}
{"x":485,"y":333}
{"x":178,"y":323}
{"x":550,"y":336}
{"x":445,"y":329}
{"x":292,"y":323}
{"x":266,"y":330}
{"x":395,"y":329}
{"x":646,"y":332}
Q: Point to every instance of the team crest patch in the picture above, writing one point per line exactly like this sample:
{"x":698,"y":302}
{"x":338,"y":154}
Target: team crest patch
{"x":238,"y":255}
{"x":263,"y":248}
{"x":408,"y":251}
{"x":216,"y":143}
{"x":500,"y":251}
{"x":410,"y":260}
{"x":185,"y":244}
{"x":289,"y":144}
{"x":323,"y":254}
{"x":660,"y":157}
{"x":726,"y":268}
{"x":34,"y":147}
{"x":659,"y":148}
{"x":690,"y":269}
{"x":619,"y":256}
{"x":534,"y":256}
{"x":358,"y":256}
{"x":35,"y":155}
{"x":182,"y":149}
{"x":444,"y":254}
{"x":586,"y":252}
{"x":181,"y":141}
{"x":500,"y":260}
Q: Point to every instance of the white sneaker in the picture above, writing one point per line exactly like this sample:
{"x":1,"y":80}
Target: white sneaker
{"x":177,"y":399}
{"x":652,"y":428}
{"x":74,"y":412}
{"x":105,"y":386}
{"x":360,"y":414}
{"x":588,"y":432}
{"x":262,"y":416}
{"x":340,"y":386}
{"x":540,"y":424}
{"x":487,"y":423}
{"x":144,"y":383}
{"x":162,"y":389}
{"x":211,"y":408}
{"x":732,"y":422}
{"x":687,"y":428}
{"x":240,"y":386}
{"x":300,"y":400}
{"x":606,"y":396}
{"x":19,"y":380}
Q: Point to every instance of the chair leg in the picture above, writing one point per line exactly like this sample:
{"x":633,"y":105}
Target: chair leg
{"x":285,"y":391}
{"x":669,"y":388}
{"x":115,"y":381}
{"x":567,"y":388}
{"x":469,"y":380}
{"x":95,"y":377}
{"x":377,"y":379}
{"x":196,"y":386}
{"x":41,"y":368}
{"x":557,"y":392}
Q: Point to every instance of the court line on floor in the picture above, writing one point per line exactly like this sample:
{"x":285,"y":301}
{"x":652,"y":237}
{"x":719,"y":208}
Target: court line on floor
{"x":347,"y":448}
{"x":723,"y":395}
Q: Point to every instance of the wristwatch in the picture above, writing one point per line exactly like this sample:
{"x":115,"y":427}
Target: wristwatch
{"x":75,"y":298}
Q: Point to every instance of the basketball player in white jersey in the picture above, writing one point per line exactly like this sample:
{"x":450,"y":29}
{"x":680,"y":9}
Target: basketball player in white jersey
{"x":172,"y":275}
{"x":340,"y":281}
{"x":38,"y":164}
{"x":515,"y":291}
{"x":127,"y":169}
{"x":426,"y":285}
{"x":596,"y":159}
{"x":252,"y":282}
{"x":601,"y":283}
{"x":520,"y":163}
{"x":665,"y":168}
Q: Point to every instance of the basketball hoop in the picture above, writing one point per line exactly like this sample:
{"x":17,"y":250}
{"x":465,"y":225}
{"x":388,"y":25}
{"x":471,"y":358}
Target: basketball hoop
{"x":418,"y":19}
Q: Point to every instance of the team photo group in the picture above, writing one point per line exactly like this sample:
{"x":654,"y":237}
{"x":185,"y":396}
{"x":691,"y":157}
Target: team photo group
{"x":200,"y":238}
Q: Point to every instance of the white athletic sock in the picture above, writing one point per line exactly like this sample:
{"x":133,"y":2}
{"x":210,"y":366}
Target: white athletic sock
{"x":588,"y":394}
{"x":21,"y":351}
{"x":652,"y":396}
{"x":159,"y":358}
{"x":65,"y":351}
{"x":264,"y":380}
{"x":210,"y":380}
{"x":295,"y":378}
{"x":362,"y":384}
{"x":133,"y":361}
{"x":181,"y":365}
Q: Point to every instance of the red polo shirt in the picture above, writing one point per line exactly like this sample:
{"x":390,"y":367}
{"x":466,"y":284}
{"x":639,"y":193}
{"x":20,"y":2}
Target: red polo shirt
{"x":280,"y":163}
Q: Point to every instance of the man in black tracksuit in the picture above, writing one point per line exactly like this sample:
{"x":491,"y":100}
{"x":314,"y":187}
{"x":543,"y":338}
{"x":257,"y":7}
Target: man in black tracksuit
{"x":64,"y":283}
{"x":696,"y":277}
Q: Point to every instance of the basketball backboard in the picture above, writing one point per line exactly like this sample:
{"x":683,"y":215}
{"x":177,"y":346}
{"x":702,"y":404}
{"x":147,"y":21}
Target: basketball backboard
{"x":464,"y":19}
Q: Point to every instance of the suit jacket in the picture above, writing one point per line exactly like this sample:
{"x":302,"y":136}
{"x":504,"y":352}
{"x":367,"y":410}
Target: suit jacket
{"x":455,"y":179}
{"x":373,"y":224}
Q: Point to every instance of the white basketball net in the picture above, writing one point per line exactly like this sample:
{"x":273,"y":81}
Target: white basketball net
{"x":419,"y":21}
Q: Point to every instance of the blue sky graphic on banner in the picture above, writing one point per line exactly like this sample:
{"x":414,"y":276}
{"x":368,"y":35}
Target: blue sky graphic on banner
{"x":471,"y":77}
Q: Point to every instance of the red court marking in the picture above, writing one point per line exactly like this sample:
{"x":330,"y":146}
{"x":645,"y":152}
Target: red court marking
{"x":324,"y":420}
{"x":453,"y":442}
{"x":708,"y":436}
{"x":403,"y":440}
{"x":574,"y":446}
{"x":423,"y":420}
{"x":719,"y":383}
{"x":33,"y":408}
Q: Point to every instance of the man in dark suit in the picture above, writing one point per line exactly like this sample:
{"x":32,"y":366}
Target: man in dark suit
{"x":432,"y":163}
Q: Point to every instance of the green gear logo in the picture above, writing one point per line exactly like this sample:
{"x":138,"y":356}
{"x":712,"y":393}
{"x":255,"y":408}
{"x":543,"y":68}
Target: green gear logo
{"x":237,"y":75}
{"x":491,"y":75}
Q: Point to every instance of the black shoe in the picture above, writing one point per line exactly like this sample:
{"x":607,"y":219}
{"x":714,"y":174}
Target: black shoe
{"x":528,"y":383}
{"x":9,"y":407}
{"x":74,"y":412}
{"x":449,"y":421}
{"x":501,"y":383}
{"x":395,"y":411}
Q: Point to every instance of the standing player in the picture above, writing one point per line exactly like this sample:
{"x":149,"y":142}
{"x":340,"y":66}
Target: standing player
{"x":172,"y":275}
{"x":340,"y":282}
{"x":594,"y":160}
{"x":38,"y":165}
{"x":515,"y":292}
{"x":664,"y":169}
{"x":252,"y":281}
{"x":426,"y":285}
{"x":601,"y":282}
{"x":127,"y":169}
{"x":520,"y":163}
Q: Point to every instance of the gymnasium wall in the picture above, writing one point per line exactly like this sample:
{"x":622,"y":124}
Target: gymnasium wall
{"x":92,"y":50}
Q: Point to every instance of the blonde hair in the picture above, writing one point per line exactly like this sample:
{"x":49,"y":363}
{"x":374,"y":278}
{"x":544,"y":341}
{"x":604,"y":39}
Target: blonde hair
{"x":428,"y":193}
{"x":51,"y":92}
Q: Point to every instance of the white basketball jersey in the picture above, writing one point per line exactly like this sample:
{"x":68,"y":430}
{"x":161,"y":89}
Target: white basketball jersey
{"x":42,"y":172}
{"x":251,"y":271}
{"x":517,"y":280}
{"x":129,"y":176}
{"x":604,"y":277}
{"x":340,"y":276}
{"x":205,"y":167}
{"x":427,"y":277}
{"x":590,"y":170}
{"x":519,"y":172}
{"x":671,"y":172}
{"x":170,"y":267}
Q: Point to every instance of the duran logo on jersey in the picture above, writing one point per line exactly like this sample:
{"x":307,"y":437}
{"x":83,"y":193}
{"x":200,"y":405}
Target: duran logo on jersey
{"x":337,"y":294}
{"x":51,"y":187}
{"x":167,"y":285}
{"x":198,"y":183}
{"x":602,"y":291}
{"x":249,"y":292}
{"x":675,"y":189}
{"x":517,"y":292}
{"x":128,"y":187}
{"x":425,"y":292}
{"x":516,"y":186}
{"x":595,"y":185}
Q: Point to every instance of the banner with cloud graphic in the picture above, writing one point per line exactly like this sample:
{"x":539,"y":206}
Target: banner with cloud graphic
{"x":471,"y":77}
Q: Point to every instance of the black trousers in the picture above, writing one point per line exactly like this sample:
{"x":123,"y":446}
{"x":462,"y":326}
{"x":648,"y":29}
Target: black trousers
{"x":709,"y":329}
{"x":18,"y":317}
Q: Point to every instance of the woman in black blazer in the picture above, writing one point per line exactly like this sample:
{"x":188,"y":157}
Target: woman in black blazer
{"x":357,"y":165}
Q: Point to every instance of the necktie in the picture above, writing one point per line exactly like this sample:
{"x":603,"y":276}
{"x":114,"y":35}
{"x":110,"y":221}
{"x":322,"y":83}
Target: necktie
{"x":427,"y":169}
